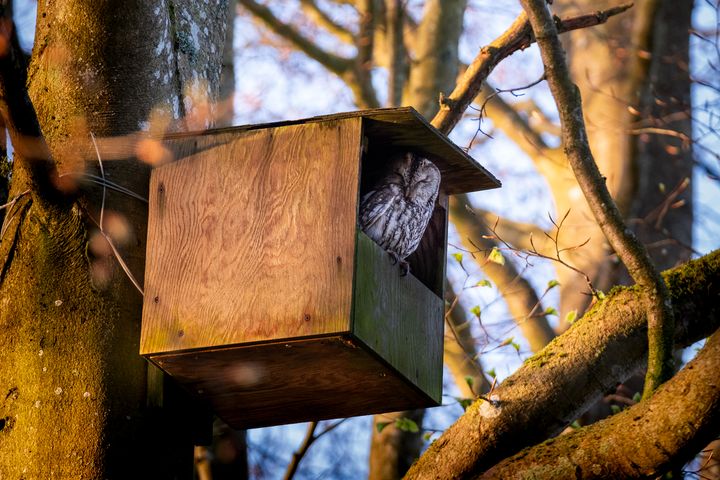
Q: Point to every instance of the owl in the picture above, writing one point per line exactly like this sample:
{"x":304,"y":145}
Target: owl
{"x":398,"y":207}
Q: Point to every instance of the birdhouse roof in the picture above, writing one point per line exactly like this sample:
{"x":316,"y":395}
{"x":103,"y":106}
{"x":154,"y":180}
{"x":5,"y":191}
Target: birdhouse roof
{"x":405,"y":128}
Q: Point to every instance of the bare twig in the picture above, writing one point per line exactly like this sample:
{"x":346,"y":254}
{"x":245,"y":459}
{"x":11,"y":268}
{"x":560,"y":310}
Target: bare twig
{"x":119,"y":258}
{"x":309,"y":439}
{"x":494,"y":94}
{"x":628,"y":248}
{"x":106,"y":183}
{"x":10,"y":211}
{"x":517,"y":37}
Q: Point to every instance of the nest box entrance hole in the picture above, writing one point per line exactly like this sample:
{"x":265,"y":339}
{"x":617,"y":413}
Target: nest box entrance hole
{"x":427,"y":262}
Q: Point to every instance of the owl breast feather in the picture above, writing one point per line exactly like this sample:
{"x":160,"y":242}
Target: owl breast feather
{"x":392,"y":221}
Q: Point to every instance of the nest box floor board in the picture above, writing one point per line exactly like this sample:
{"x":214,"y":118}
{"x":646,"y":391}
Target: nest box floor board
{"x":297,"y":381}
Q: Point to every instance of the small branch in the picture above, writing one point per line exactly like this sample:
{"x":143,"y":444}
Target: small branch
{"x":301,"y":451}
{"x":517,"y":37}
{"x":517,"y":292}
{"x":628,"y":248}
{"x":309,"y":439}
{"x":538,"y":144}
{"x":315,"y":13}
{"x":336,"y":64}
{"x":460,"y":354}
{"x":10,"y":213}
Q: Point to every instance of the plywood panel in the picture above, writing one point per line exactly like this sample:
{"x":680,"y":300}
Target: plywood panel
{"x":398,"y":317}
{"x":278,"y":383}
{"x":405,"y":128}
{"x":252,"y":237}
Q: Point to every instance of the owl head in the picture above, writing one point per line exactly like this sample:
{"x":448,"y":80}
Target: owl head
{"x":422,"y":180}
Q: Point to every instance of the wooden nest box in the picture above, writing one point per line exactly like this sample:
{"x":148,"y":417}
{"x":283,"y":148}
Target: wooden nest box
{"x":262,"y":295}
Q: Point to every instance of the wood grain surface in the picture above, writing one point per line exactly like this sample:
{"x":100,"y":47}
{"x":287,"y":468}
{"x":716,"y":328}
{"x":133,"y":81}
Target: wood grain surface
{"x":398,"y":317}
{"x":295,"y":381}
{"x":251,"y":236}
{"x":405,"y":128}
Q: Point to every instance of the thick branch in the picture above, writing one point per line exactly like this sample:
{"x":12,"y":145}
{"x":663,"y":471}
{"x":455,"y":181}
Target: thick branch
{"x":435,"y":67}
{"x":645,"y":440}
{"x":336,"y":64}
{"x":19,"y":117}
{"x":555,"y":386}
{"x":518,"y":37}
{"x":632,"y":253}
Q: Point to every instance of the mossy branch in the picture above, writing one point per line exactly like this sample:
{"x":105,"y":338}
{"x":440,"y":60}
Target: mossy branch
{"x":630,"y":250}
{"x":603,"y":348}
{"x":643,"y":441}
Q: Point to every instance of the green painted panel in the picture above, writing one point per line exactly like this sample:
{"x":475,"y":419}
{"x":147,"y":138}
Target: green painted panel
{"x":398,"y":317}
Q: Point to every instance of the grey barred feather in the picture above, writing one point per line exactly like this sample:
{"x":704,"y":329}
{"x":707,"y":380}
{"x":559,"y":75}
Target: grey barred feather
{"x":396,"y":211}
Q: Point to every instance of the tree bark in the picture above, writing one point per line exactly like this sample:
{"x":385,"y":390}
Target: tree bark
{"x":393,"y":450}
{"x":435,"y":66}
{"x":643,"y":441}
{"x":74,"y":389}
{"x":553,"y":387}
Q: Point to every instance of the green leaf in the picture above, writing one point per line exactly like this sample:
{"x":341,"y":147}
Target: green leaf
{"x":550,"y":311}
{"x":599,"y":294}
{"x":476,"y":310}
{"x":492,"y":373}
{"x":469,"y":381}
{"x":552,"y":284}
{"x":615,"y":408}
{"x":427,"y":436}
{"x":516,"y":346}
{"x":484,"y":283}
{"x":380,"y":426}
{"x":575,"y":425}
{"x":637,"y":397}
{"x":496,"y":257}
{"x":407,"y":425}
{"x":507,"y":341}
{"x":571,"y":316}
{"x":458,"y":256}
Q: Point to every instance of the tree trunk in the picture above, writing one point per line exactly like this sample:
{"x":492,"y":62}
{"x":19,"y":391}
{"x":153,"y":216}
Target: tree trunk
{"x":76,"y":394}
{"x":393,"y":450}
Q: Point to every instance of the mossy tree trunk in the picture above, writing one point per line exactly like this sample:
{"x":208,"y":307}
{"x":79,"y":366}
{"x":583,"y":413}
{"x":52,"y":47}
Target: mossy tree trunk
{"x":74,"y":392}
